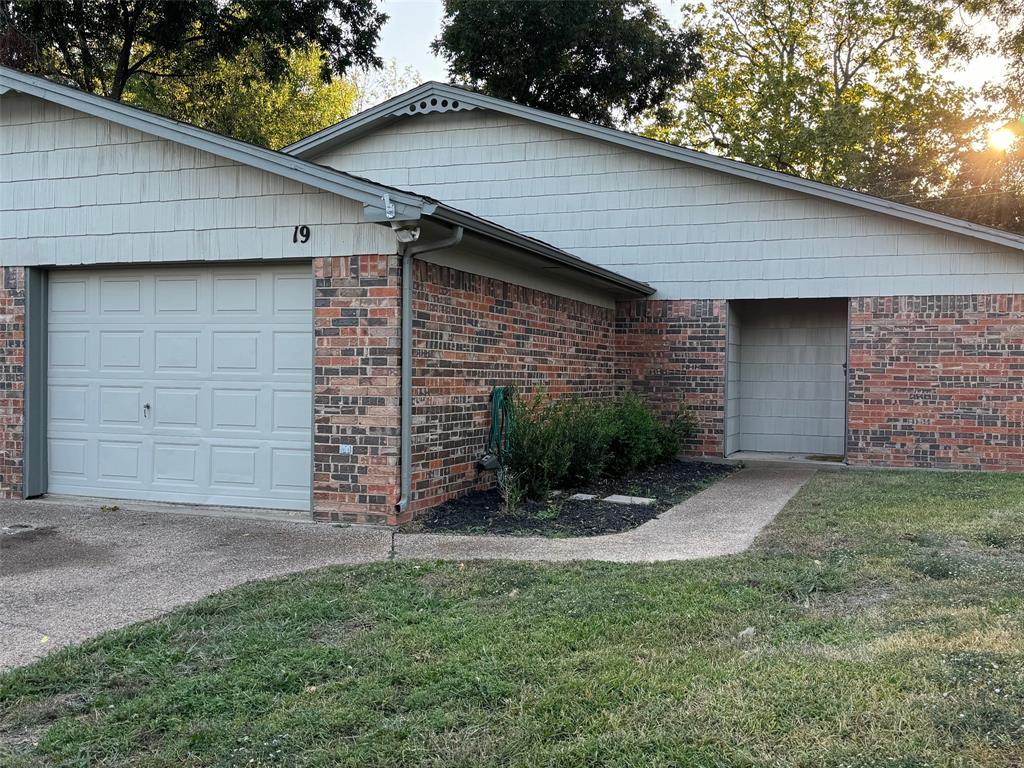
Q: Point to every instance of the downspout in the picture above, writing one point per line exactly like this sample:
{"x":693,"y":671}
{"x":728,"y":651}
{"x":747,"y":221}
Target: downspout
{"x":408,"y":251}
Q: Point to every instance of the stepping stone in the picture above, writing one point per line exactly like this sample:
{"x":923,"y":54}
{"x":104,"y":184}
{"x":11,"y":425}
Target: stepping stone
{"x":637,"y":500}
{"x":582,"y":497}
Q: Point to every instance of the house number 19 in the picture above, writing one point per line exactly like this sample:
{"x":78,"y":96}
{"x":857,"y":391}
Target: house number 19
{"x":301,"y":234}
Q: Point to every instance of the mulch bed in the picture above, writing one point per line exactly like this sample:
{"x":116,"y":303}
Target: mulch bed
{"x":481,"y":512}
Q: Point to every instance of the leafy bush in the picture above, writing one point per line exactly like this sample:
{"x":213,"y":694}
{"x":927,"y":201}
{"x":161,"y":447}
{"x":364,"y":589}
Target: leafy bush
{"x":571,"y":442}
{"x":587,"y":429}
{"x":638,"y":438}
{"x":537,"y":451}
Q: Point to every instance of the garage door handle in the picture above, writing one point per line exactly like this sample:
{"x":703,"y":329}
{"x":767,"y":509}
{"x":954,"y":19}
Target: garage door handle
{"x":145,"y":411}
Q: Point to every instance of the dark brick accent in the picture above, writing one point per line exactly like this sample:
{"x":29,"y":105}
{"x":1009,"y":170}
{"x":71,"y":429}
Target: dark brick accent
{"x":356,"y":388}
{"x":675,"y":351}
{"x":937,"y":382}
{"x":474,"y":333}
{"x":12,"y":380}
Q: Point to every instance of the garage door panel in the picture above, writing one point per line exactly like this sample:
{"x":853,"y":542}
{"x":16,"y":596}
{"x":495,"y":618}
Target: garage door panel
{"x":176,"y":408}
{"x":176,"y":296}
{"x":292,"y":294}
{"x":68,"y":404}
{"x":120,"y":351}
{"x":291,"y":411}
{"x":236,"y":410}
{"x":119,"y":461}
{"x":233,"y":465}
{"x":221,"y":357}
{"x":121,"y":296}
{"x":176,"y":463}
{"x":68,"y":350}
{"x":293,"y":352}
{"x":67,"y":458}
{"x":120,"y":407}
{"x":236,"y":294}
{"x":177,"y":351}
{"x":287,"y":464}
{"x":67,"y":297}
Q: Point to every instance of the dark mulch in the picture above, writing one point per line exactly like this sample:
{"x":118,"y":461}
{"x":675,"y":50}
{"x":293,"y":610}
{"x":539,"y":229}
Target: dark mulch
{"x":481,"y":512}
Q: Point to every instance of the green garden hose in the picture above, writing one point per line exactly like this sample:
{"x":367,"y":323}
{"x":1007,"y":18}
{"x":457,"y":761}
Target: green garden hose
{"x":497,"y":439}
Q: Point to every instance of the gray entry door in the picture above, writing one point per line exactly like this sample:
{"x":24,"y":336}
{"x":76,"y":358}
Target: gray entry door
{"x":792,"y":382}
{"x":183,"y":384}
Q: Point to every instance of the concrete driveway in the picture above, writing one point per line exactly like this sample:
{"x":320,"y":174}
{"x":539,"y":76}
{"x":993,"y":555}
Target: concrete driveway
{"x":69,"y":572}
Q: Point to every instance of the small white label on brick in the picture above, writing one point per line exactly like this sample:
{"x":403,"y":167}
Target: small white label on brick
{"x":345,"y":449}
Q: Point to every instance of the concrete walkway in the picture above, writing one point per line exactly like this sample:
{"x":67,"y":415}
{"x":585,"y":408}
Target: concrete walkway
{"x":721,"y":520}
{"x":69,"y":571}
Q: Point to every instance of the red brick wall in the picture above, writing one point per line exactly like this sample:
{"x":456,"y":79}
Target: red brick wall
{"x":474,"y":333}
{"x":12,"y":379}
{"x":673,"y":351}
{"x":937,"y":381}
{"x":356,"y":388}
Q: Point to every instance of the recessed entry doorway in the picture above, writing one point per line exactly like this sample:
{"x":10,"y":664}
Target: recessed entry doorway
{"x":786,"y":376}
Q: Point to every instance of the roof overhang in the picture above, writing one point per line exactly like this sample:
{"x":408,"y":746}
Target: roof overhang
{"x":435,"y":97}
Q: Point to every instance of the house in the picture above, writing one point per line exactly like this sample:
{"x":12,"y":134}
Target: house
{"x":188,"y":318}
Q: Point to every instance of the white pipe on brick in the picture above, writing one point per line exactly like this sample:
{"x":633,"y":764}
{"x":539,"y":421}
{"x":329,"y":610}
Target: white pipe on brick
{"x":408,"y":250}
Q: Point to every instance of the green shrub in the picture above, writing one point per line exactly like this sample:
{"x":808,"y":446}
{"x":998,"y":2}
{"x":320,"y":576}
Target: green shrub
{"x":586,"y":428}
{"x":639,"y":438}
{"x":570,"y":442}
{"x":537,"y":451}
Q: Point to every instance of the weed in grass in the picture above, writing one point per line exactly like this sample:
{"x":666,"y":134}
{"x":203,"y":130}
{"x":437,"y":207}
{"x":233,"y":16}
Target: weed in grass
{"x":936,"y":565}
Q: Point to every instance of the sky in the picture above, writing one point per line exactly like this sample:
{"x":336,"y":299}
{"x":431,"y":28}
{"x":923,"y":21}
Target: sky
{"x":415,"y":23}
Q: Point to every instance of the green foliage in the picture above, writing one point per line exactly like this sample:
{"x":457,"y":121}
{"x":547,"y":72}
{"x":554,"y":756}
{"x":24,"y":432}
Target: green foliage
{"x":235,"y":98}
{"x":103,"y":45}
{"x":638,"y":438}
{"x":587,"y":429}
{"x":537,"y":451}
{"x":597,"y":60}
{"x":511,"y":488}
{"x":569,"y":442}
{"x":848,"y":92}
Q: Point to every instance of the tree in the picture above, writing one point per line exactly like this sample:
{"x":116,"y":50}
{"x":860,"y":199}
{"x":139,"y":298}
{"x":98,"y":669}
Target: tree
{"x":103,"y":46}
{"x":989,"y":183}
{"x":379,"y":85}
{"x":848,"y":92}
{"x":598,"y":60}
{"x":234,"y":98}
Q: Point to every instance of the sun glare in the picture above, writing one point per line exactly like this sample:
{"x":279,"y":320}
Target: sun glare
{"x":1001,"y":139}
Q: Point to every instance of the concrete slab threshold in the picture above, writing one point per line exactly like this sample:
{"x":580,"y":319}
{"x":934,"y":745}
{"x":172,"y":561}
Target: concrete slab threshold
{"x":721,"y":520}
{"x":764,"y":458}
{"x":162,"y":507}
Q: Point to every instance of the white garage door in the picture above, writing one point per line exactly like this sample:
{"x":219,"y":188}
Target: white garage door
{"x":182,"y":384}
{"x":791,"y":376}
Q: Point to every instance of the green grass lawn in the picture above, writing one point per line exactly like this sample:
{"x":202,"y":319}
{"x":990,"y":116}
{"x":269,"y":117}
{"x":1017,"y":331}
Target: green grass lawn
{"x":888,"y":630}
